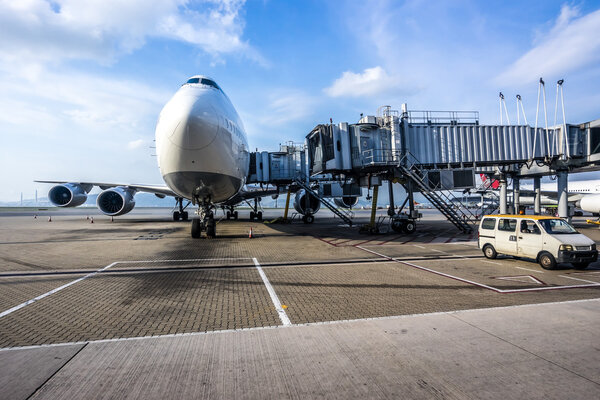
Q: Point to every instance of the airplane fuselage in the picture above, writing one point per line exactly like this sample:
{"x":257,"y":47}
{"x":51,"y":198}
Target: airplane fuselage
{"x":201,"y":144}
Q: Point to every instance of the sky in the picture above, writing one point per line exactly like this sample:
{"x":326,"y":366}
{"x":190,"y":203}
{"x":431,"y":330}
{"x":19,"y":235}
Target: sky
{"x":82,"y":82}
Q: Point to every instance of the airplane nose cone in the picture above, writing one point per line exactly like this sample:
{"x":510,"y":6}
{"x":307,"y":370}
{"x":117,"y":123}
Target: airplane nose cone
{"x":197,"y":127}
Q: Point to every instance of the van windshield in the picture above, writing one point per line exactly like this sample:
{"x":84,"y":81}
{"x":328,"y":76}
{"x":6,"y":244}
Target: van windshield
{"x":557,"y":226}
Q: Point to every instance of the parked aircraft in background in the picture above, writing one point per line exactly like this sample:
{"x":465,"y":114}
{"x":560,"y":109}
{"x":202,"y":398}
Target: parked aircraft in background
{"x":584,"y":194}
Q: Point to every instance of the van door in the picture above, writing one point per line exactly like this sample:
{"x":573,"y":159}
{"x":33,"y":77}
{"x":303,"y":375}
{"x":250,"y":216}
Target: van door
{"x":506,"y":236}
{"x":529,"y":239}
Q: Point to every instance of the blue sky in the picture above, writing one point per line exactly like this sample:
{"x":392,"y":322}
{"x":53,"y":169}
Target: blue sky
{"x":82,"y":82}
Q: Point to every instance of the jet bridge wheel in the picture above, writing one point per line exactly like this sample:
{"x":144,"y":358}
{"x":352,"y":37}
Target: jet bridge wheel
{"x":409,"y":227}
{"x":196,"y":228}
{"x":397,"y":225}
{"x":308,"y":219}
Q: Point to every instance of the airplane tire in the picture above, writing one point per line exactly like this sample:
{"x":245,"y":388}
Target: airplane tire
{"x":211,"y":228}
{"x":184,"y":216}
{"x":175,"y":215}
{"x":196,"y":228}
{"x":228,"y":214}
{"x":251,"y":215}
{"x":259,"y":215}
{"x":235,"y":215}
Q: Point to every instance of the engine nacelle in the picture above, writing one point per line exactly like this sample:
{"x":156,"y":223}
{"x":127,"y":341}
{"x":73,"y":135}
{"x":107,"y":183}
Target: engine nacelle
{"x":346,"y":201}
{"x":300,"y":203}
{"x":116,"y":201}
{"x":590,"y":203}
{"x":68,"y":195}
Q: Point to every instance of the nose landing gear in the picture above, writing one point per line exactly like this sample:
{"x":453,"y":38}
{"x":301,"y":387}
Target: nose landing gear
{"x":204,"y":222}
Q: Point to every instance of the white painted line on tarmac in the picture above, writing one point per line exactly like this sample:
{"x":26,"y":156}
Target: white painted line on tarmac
{"x":579,"y":279}
{"x":439,"y":251}
{"x":534,"y":270}
{"x":416,"y":245}
{"x":490,"y":262}
{"x":308,"y":324}
{"x":280,"y":311}
{"x":58,"y":289}
{"x":497,"y":290}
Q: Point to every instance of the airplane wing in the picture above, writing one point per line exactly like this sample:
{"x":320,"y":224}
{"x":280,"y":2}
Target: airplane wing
{"x":155,"y":189}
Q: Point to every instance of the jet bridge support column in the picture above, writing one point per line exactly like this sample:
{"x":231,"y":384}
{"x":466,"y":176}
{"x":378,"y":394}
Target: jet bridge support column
{"x":516,"y":194}
{"x":503,"y":195}
{"x":392,"y":209}
{"x":537,"y":201}
{"x":563,"y":198}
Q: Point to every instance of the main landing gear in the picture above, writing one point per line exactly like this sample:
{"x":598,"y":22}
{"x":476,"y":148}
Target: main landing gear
{"x":204,"y":222}
{"x":231,"y":213}
{"x":181,"y":214}
{"x":255,"y":214}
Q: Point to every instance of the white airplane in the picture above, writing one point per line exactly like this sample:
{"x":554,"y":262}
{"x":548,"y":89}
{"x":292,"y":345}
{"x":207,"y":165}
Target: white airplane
{"x":584,"y":194}
{"x":203,"y":157}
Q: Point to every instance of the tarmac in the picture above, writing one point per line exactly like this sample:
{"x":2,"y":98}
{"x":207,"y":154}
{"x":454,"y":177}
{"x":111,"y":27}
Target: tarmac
{"x":136,"y":308}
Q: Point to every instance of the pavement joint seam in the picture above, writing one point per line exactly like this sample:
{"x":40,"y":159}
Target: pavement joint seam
{"x":342,"y":321}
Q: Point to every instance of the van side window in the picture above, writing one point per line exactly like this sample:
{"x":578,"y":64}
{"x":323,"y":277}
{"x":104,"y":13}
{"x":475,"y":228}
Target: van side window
{"x":505,"y":224}
{"x":488,"y":223}
{"x":529,"y":226}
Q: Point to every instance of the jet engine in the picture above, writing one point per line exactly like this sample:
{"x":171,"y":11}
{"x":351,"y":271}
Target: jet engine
{"x":68,"y":194}
{"x":346,"y":201}
{"x":590,"y":203}
{"x":300,"y":203}
{"x":116,"y":201}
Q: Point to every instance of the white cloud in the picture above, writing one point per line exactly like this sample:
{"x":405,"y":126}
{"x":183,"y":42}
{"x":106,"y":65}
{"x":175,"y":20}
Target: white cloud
{"x":572,"y":43}
{"x":103,"y":29}
{"x":371,"y":82}
{"x":135,"y":144}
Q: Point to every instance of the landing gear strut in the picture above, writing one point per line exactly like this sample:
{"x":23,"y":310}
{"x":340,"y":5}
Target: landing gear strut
{"x":255,"y":213}
{"x":181,"y":213}
{"x":204,"y":222}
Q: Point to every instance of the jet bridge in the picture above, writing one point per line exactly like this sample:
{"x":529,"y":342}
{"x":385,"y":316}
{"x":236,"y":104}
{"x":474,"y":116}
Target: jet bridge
{"x":437,"y":151}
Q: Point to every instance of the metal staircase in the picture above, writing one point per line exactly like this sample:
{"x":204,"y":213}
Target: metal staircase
{"x":448,"y":204}
{"x":344,"y":215}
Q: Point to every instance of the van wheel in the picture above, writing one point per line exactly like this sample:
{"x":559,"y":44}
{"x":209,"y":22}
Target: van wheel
{"x":489,"y":251}
{"x":547,"y":261}
{"x":583,"y":265}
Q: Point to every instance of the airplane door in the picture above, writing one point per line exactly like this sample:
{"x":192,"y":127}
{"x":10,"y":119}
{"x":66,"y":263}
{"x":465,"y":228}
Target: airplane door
{"x":506,"y":236}
{"x":529,"y":239}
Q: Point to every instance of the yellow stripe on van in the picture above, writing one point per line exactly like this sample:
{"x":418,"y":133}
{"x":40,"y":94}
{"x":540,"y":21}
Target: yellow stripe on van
{"x":535,"y":217}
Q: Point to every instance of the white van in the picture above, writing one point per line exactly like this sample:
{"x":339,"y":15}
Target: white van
{"x":548,"y":240}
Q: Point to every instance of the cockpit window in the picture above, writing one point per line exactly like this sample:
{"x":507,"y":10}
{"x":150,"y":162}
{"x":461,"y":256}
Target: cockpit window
{"x":210,"y":83}
{"x":205,"y":81}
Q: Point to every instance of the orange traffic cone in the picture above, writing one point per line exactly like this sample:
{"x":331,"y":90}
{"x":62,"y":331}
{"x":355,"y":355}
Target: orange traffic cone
{"x":50,"y":219}
{"x":250,"y":233}
{"x":91,"y":220}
